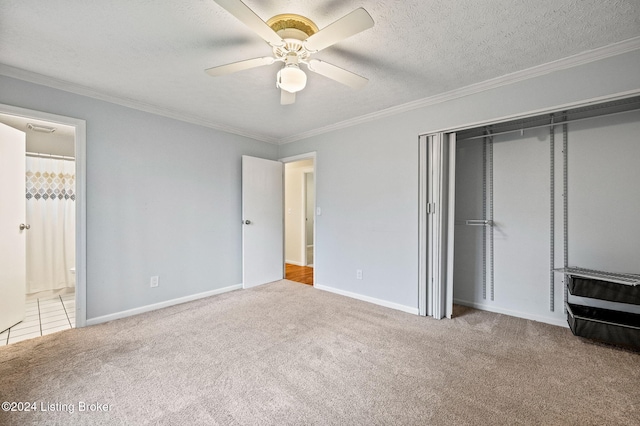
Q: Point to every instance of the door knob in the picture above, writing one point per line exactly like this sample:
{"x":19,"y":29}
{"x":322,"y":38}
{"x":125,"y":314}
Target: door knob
{"x":23,"y":226}
{"x":247,"y":222}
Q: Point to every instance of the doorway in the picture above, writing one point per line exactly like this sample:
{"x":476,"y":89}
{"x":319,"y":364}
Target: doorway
{"x":299,"y":218}
{"x":52,"y":188}
{"x":525,"y":169}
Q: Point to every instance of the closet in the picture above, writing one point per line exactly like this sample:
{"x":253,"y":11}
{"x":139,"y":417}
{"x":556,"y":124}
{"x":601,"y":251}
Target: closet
{"x":540,"y":194}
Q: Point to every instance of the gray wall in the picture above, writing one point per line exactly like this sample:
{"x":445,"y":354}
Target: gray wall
{"x":367,"y":175}
{"x":604,"y":194}
{"x":163,"y":198}
{"x":366,"y":186}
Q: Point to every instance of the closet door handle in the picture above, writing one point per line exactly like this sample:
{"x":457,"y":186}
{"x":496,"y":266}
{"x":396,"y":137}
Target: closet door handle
{"x":23,"y":226}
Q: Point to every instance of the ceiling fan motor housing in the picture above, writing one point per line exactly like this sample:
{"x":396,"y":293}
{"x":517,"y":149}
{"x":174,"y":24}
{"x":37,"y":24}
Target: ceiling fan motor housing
{"x":294,"y":30}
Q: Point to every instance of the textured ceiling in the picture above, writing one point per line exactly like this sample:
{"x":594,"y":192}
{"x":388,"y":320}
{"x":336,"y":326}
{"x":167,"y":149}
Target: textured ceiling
{"x":155,"y":52}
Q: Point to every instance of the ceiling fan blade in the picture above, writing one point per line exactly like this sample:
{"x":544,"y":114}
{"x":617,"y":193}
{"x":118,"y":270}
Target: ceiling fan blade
{"x":251,"y":20}
{"x":338,"y":74}
{"x":287,"y":98}
{"x":350,"y":24}
{"x":239,"y":66}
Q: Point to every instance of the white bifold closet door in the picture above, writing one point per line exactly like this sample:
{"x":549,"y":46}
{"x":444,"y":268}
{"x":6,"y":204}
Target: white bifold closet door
{"x":436,"y":228}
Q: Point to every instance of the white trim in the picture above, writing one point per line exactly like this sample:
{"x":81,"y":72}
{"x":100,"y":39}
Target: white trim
{"x":81,"y":197}
{"x":385,"y":303}
{"x":303,"y":217}
{"x":423,"y":293}
{"x":303,"y":249}
{"x":532,"y":113}
{"x":293,"y":262}
{"x":78,"y":89}
{"x":529,"y":73}
{"x":517,"y":314}
{"x":451,"y":217}
{"x":81,"y":223}
{"x":165,"y":304}
{"x":307,"y":156}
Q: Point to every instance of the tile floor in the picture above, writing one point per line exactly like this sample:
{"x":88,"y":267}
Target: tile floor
{"x":45,"y":315}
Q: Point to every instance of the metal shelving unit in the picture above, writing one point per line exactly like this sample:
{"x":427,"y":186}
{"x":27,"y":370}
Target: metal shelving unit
{"x":613,"y":325}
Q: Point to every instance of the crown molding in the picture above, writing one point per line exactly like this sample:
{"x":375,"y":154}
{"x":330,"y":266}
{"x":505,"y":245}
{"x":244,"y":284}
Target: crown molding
{"x":529,"y":73}
{"x":539,"y":70}
{"x":78,"y":89}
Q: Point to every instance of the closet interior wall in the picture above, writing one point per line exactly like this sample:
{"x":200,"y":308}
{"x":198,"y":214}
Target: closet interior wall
{"x":519,"y":179}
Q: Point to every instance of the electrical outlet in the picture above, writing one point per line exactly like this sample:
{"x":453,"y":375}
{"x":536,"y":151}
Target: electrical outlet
{"x":358,"y":274}
{"x":154,"y":281}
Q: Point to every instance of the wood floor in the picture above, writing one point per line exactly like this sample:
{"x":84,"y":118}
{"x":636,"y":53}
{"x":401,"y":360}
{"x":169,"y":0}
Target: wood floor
{"x":301,"y":274}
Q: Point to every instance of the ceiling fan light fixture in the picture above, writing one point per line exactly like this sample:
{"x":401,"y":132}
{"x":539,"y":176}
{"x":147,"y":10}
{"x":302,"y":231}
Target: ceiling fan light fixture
{"x":293,"y":39}
{"x":291,"y":78}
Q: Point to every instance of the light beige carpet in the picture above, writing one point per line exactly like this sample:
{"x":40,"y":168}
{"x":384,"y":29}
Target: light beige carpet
{"x":288,"y":354}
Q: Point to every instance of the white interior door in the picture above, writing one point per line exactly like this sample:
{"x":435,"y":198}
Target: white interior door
{"x":12,"y":214}
{"x":262,"y":218}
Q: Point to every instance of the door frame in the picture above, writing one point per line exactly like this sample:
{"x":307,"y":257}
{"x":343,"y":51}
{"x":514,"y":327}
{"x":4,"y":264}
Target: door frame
{"x":306,"y":171}
{"x":81,"y":197}
{"x":306,"y":156}
{"x":424,"y":291}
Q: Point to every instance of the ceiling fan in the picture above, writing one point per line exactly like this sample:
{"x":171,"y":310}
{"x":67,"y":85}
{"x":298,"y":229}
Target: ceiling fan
{"x":294,"y":39}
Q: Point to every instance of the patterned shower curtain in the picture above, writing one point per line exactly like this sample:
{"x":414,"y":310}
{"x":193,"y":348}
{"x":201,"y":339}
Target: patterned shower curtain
{"x":50,"y":192}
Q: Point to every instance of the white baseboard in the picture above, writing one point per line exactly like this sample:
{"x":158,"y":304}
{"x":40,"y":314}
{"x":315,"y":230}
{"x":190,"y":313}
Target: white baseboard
{"x":165,"y":304}
{"x":373,"y":300}
{"x":293,"y":262}
{"x":518,"y":314}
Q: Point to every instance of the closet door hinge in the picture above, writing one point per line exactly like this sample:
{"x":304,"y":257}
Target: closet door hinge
{"x":431,"y":208}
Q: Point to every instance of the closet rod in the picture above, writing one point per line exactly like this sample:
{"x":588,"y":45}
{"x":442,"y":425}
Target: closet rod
{"x":58,"y":157}
{"x":546,"y":125}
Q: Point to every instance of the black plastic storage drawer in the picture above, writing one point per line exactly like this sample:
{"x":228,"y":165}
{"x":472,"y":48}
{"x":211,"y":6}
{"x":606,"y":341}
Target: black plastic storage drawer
{"x":604,"y":290}
{"x":620,"y":328}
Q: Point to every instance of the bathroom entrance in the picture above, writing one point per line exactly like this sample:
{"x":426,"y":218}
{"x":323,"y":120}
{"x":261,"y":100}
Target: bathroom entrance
{"x":47,"y":230}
